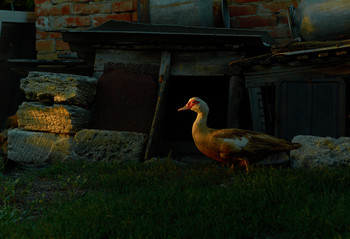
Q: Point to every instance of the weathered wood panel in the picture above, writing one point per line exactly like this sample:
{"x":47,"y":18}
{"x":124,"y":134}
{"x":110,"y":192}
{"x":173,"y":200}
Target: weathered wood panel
{"x":183,"y":63}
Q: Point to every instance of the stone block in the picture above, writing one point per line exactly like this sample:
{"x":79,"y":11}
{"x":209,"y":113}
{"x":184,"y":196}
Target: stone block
{"x":63,"y":119}
{"x":59,"y":88}
{"x":106,"y":145}
{"x":38,"y":147}
{"x":317,"y":152}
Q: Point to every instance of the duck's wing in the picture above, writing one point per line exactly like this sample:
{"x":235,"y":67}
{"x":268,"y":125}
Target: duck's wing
{"x":239,"y":141}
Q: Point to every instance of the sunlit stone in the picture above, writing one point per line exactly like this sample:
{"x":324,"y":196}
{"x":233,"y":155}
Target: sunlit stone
{"x":62,"y":119}
{"x":59,"y":88}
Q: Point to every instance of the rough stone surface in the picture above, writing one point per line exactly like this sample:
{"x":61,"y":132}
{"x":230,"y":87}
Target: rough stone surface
{"x":318,"y":152}
{"x":38,"y":147}
{"x":109,"y":145}
{"x":59,"y":88}
{"x":62,"y":119}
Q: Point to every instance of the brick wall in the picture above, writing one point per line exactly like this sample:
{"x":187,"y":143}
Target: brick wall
{"x":52,"y":15}
{"x":267,"y":15}
{"x":55,"y":15}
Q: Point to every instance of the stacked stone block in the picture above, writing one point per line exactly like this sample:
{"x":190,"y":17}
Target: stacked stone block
{"x":47,"y":124}
{"x":53,"y":126}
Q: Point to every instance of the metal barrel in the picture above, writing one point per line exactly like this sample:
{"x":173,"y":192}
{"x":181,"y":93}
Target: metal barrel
{"x":321,"y":19}
{"x":203,"y":13}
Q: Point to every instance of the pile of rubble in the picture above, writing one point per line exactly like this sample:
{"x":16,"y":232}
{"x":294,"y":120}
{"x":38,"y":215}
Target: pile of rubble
{"x":54,"y":123}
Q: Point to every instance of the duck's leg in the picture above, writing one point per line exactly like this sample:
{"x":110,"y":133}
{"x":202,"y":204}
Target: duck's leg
{"x":246,"y":164}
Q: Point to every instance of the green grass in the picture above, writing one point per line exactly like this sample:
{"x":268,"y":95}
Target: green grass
{"x":163,"y":200}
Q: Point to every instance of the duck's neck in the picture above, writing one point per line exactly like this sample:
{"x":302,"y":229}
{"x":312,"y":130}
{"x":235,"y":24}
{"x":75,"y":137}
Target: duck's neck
{"x":200,"y":123}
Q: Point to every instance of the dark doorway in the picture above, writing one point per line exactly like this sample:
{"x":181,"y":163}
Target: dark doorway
{"x":176,"y":134}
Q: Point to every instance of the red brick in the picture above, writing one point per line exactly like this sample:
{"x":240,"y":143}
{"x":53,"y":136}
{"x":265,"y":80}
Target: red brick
{"x":256,"y":21}
{"x":45,"y":46}
{"x":62,"y":46}
{"x":42,"y":22}
{"x":80,"y":0}
{"x":124,"y":6}
{"x":81,"y":21}
{"x":60,"y":22}
{"x":241,"y":10}
{"x":45,"y":35}
{"x":54,"y":10}
{"x":55,"y":35}
{"x":245,"y":1}
{"x":38,"y":2}
{"x":86,"y":9}
{"x":98,"y":20}
{"x":60,"y":1}
{"x":40,"y":35}
{"x":134,"y":16}
{"x":275,"y":7}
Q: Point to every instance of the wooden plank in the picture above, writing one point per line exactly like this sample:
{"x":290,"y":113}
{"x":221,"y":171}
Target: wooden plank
{"x":104,"y":56}
{"x":257,"y":109}
{"x":154,"y":136}
{"x":234,"y":99}
{"x":277,"y":74}
{"x":125,"y":56}
{"x":200,"y":63}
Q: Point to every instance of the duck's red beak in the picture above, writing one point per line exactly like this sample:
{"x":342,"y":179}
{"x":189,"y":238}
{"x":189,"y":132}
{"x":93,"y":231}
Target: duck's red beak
{"x":184,"y":108}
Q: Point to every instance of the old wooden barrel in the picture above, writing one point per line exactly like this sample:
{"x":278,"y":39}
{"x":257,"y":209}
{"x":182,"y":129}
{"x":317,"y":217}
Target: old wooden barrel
{"x":322,"y":19}
{"x":204,"y":13}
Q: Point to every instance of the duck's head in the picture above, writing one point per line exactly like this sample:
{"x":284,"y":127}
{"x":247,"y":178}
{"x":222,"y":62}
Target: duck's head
{"x":197,"y":105}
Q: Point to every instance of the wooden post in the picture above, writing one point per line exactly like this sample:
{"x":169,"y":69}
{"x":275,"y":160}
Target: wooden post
{"x":143,"y":11}
{"x":154,"y":135}
{"x":234,"y":99}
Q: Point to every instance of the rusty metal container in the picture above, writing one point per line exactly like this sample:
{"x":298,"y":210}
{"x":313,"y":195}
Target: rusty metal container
{"x":204,"y":13}
{"x":320,"y":19}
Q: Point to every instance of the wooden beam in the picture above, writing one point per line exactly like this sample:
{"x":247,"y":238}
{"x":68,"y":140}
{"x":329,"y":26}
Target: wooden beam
{"x":158,"y":119}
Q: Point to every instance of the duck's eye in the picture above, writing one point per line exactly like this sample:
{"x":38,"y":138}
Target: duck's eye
{"x":192,"y":103}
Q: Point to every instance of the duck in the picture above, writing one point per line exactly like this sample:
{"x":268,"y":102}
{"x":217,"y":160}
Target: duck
{"x":232,"y":146}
